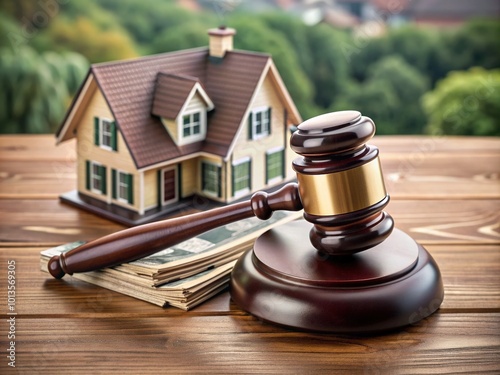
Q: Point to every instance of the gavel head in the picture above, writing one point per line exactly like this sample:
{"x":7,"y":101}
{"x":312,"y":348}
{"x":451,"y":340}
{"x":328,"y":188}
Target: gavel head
{"x":341,"y":184}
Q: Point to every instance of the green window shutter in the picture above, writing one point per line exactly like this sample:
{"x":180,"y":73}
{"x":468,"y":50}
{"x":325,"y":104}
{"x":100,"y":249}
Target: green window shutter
{"x":269,"y":117}
{"x":219,"y":182}
{"x":250,"y":174}
{"x":113,"y":136}
{"x":87,"y":174}
{"x":96,"y":131}
{"x":250,"y":126}
{"x":267,"y":168}
{"x":130,"y":188}
{"x":102,"y":172}
{"x":283,"y":171}
{"x":114,"y":188}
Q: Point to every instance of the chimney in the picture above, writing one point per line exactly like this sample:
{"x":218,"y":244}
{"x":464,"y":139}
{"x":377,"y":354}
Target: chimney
{"x":220,"y":41}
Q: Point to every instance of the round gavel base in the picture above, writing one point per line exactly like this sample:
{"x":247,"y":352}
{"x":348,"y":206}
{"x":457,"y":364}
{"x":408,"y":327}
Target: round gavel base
{"x":285,"y":280}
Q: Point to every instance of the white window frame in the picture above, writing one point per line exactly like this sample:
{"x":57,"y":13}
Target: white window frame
{"x":95,"y":176}
{"x":272,"y":151}
{"x":246,"y":190}
{"x":202,"y":124}
{"x":102,"y":144}
{"x":265,"y":130}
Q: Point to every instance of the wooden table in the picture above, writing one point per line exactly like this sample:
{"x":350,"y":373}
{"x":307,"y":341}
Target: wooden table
{"x":445,"y":193}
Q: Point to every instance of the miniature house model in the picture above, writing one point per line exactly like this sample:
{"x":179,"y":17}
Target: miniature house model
{"x":156,"y":131}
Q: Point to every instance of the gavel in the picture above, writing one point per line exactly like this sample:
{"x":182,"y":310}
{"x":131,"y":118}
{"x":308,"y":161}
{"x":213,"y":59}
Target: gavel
{"x":340,"y":187}
{"x":352,"y":246}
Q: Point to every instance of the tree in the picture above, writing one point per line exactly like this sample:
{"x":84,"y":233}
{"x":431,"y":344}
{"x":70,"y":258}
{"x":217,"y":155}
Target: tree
{"x":8,"y":30}
{"x":433,"y":52}
{"x":254,"y":35}
{"x":308,"y":58}
{"x":296,"y":32}
{"x":36,"y":88}
{"x":18,"y":9}
{"x":82,"y":35}
{"x":408,"y":86}
{"x":145,"y":20}
{"x":329,"y":71}
{"x":421,"y":48}
{"x":465,"y":103}
{"x":362,"y":52}
{"x":373,"y":100}
{"x":391,"y":96}
{"x":475,"y":44}
{"x":318,"y":52}
{"x":185,"y":36}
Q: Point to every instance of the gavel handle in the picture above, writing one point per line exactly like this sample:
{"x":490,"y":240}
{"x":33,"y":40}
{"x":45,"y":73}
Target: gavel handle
{"x":138,"y":242}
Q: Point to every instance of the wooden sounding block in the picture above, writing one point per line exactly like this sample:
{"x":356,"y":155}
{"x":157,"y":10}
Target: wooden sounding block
{"x":356,"y":275}
{"x":342,"y":269}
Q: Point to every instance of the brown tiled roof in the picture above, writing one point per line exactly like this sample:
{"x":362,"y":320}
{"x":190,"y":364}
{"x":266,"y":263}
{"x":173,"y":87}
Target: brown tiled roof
{"x":231,"y":84}
{"x":171,"y":92}
{"x":129,"y":88}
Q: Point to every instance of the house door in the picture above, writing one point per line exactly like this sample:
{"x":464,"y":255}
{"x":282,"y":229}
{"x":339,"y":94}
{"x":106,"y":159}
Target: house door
{"x":169,"y":185}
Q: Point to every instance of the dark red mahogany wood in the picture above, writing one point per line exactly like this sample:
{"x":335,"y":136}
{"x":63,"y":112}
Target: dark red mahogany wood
{"x":357,"y":274}
{"x":141,"y":241}
{"x":285,"y":280}
{"x":333,"y":143}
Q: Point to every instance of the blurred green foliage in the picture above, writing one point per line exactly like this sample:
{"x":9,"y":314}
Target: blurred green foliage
{"x":465,"y":103}
{"x":389,"y":95}
{"x":46,"y":47}
{"x":35,"y":88}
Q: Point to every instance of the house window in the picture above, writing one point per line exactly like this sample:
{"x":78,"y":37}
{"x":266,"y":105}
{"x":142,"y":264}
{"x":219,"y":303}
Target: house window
{"x":191,"y":124}
{"x":96,"y":177}
{"x":211,"y":179}
{"x":105,"y":133}
{"x":241,"y":177}
{"x":274,"y":165}
{"x":259,"y":123}
{"x":122,"y":186}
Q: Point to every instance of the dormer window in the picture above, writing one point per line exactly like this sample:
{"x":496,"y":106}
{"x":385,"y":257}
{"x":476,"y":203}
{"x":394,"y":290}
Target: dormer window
{"x":182,"y":105}
{"x":191,"y":125}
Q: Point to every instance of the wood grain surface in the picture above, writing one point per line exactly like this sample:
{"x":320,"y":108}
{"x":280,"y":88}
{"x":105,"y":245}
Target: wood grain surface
{"x":445,"y":193}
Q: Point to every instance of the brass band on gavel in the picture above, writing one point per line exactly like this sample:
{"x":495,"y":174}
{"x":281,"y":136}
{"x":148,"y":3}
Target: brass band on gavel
{"x":344,"y":191}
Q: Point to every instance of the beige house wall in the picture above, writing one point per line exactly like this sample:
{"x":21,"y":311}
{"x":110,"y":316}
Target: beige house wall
{"x":266,"y":96}
{"x":150,"y":189}
{"x":120,"y":160}
{"x":145,"y":183}
{"x":171,"y":126}
{"x":189,"y":177}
